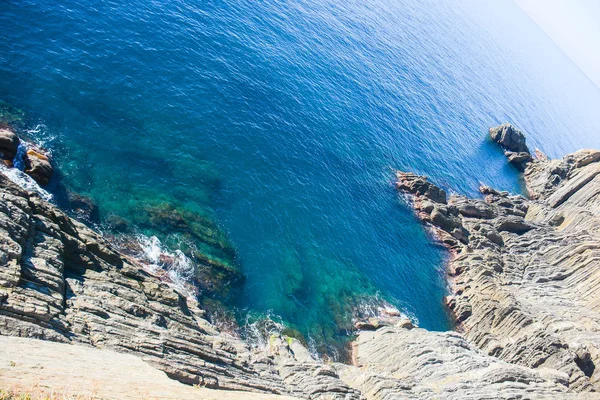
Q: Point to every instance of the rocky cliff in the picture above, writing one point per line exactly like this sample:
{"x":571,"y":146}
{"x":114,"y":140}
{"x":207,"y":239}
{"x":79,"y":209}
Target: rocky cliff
{"x":63,"y":282}
{"x":525,"y":272}
{"x":524,"y":277}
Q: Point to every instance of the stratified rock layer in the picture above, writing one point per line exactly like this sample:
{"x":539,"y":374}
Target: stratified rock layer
{"x":61,"y":281}
{"x":525,"y":273}
{"x":396,"y":362}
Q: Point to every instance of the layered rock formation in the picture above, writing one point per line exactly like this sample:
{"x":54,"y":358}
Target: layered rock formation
{"x":61,"y":281}
{"x":525,"y":273}
{"x":397,"y":362}
{"x":58,"y":371}
{"x":524,"y":277}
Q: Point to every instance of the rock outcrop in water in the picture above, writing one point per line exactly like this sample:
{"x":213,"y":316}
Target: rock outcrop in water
{"x":514,"y":143}
{"x":524,"y":276}
{"x":38,"y":166}
{"x":37,"y":163}
{"x":9,"y":142}
{"x":525,"y":273}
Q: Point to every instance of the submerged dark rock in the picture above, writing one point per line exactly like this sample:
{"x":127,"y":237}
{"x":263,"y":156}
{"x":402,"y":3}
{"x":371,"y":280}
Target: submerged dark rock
{"x":9,"y":143}
{"x":524,"y":277}
{"x":61,"y":281}
{"x":83,"y":207}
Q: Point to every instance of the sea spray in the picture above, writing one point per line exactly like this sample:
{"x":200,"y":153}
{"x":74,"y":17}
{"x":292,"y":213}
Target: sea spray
{"x":178,"y":267}
{"x":18,"y":176}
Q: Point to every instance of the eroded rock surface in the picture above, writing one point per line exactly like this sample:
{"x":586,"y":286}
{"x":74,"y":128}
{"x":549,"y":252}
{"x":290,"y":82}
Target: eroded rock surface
{"x":61,"y":281}
{"x":395,"y":362}
{"x":525,"y":273}
{"x":524,"y":276}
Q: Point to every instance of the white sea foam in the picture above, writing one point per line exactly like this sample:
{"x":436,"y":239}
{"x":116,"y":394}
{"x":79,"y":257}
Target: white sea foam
{"x":179,"y":268}
{"x":42,"y":137}
{"x":258,"y":332}
{"x":377,"y":307}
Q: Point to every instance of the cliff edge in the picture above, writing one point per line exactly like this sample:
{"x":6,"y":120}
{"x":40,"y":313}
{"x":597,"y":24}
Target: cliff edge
{"x":524,"y":276}
{"x":525,"y":272}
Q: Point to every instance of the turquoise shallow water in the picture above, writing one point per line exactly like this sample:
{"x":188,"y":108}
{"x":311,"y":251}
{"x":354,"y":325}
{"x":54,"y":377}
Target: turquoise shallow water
{"x":281,"y":121}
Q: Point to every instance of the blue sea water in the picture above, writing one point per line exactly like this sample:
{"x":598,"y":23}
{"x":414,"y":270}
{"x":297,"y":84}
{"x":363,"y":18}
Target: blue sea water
{"x":282,"y":122}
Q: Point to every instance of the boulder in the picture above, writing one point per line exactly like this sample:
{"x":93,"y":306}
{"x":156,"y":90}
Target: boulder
{"x":9,"y":142}
{"x":476,"y":209}
{"x":518,"y":159}
{"x":510,"y":138}
{"x":37,"y":165}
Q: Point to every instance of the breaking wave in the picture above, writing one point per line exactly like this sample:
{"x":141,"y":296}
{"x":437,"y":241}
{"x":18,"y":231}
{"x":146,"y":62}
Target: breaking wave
{"x":18,"y":176}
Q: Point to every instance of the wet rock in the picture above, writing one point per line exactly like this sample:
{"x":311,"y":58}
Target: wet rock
{"x":9,"y":142}
{"x":38,"y":166}
{"x":216,"y":272}
{"x":61,"y":281}
{"x":510,"y":138}
{"x":419,"y":185}
{"x":518,"y":159}
{"x":83,"y":206}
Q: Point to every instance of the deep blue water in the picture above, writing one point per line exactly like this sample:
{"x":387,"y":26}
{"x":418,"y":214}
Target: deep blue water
{"x":281,"y":120}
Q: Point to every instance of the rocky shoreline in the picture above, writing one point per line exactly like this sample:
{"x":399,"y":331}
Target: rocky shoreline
{"x":524,"y":272}
{"x":524,"y":277}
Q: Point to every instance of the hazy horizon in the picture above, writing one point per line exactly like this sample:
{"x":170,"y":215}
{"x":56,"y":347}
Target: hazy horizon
{"x":573,"y":26}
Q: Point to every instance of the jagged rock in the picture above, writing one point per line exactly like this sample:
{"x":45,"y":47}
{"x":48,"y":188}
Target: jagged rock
{"x":420,"y":186}
{"x":473,"y":209}
{"x":510,"y":138}
{"x":518,"y":159}
{"x":9,"y":142}
{"x":38,"y":166}
{"x":526,"y":286}
{"x":524,"y":280}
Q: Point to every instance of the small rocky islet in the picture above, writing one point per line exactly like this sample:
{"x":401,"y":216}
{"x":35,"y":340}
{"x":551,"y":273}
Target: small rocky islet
{"x":523,"y":276}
